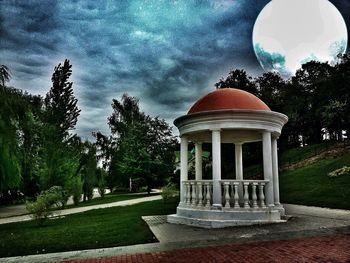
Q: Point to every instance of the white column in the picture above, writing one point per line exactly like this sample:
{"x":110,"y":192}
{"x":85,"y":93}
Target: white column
{"x":183,"y":166}
{"x":198,"y":149}
{"x":216,"y":153}
{"x":276,"y":190}
{"x":239,"y":168}
{"x":267,"y":160}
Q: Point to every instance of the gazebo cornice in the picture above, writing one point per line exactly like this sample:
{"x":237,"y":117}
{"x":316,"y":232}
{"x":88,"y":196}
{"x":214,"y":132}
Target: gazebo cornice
{"x":231,"y":119}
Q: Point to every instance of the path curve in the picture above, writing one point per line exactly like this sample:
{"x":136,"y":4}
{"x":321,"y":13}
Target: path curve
{"x":83,"y":209}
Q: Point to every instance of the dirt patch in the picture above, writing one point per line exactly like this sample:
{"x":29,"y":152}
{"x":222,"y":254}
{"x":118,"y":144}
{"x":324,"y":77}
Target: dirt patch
{"x":333,"y":152}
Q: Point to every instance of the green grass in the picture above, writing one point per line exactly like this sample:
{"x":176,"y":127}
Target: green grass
{"x":109,"y":227}
{"x":301,"y":153}
{"x":288,"y":157}
{"x":310,"y":185}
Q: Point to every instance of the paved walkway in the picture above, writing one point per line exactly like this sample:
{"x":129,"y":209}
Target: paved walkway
{"x":16,"y":210}
{"x":83,"y":209}
{"x":306,"y":237}
{"x":334,"y":248}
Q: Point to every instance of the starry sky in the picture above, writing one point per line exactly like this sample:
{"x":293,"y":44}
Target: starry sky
{"x":165,"y":52}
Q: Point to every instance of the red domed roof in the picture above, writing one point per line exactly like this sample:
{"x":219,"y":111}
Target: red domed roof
{"x":228,"y":99}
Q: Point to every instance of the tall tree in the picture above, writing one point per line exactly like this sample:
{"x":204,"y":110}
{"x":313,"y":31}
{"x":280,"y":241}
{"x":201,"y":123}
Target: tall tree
{"x":61,"y":108}
{"x":239,"y":79}
{"x":5,"y":75}
{"x":11,"y":107}
{"x":59,"y":119}
{"x":270,"y":86}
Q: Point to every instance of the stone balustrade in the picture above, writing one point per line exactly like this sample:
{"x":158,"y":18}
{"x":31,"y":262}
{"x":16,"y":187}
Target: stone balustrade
{"x":236,"y":194}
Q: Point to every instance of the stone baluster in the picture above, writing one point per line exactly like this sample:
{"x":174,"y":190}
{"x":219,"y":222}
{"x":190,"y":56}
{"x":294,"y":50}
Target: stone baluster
{"x":208,"y":195}
{"x":188,"y":190}
{"x":227,"y":194}
{"x":184,"y":193}
{"x":246,"y":195}
{"x":200,"y":194}
{"x":194,"y":196}
{"x":254,"y":197}
{"x":236,"y":196}
{"x":232,"y":194}
{"x":261,"y":195}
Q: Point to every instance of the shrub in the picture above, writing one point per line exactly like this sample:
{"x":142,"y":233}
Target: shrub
{"x":45,"y":201}
{"x":345,"y":170}
{"x":76,"y":189}
{"x":102,"y":190}
{"x":169,"y":192}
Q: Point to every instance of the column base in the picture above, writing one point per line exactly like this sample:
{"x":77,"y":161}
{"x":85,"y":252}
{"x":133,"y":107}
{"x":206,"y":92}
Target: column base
{"x":280,"y":208}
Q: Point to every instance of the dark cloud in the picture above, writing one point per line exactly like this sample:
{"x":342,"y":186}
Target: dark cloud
{"x":167,"y":53}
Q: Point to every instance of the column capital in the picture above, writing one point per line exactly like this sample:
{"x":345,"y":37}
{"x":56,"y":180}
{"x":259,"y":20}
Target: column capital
{"x":238,"y":143}
{"x":183,"y":137}
{"x":266,"y":131}
{"x":215,"y":129}
{"x":275,"y":137}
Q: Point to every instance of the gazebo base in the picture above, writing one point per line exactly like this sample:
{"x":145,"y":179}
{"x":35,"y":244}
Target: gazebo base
{"x":207,"y":218}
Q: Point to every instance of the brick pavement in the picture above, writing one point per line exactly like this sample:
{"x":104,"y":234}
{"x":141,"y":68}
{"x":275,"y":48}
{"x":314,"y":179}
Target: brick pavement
{"x":332,"y":248}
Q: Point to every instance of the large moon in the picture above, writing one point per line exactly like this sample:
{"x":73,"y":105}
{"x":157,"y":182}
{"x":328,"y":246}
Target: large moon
{"x":289,"y":33}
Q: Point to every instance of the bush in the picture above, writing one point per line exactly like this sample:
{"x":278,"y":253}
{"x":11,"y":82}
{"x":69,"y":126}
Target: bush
{"x":45,"y":201}
{"x":76,"y":189}
{"x":169,"y":192}
{"x":345,"y":170}
{"x":102,"y":190}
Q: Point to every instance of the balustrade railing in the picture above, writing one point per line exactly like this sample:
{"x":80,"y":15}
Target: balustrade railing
{"x":253,"y":193}
{"x":199,"y":193}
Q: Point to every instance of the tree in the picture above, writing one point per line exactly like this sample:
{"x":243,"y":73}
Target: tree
{"x":61,"y":108}
{"x":10,"y":170}
{"x":270,"y":87}
{"x":144,"y":146}
{"x":238,"y":79}
{"x":88,"y":171}
{"x":59,"y":156}
{"x":312,"y":80}
{"x":5,"y":75}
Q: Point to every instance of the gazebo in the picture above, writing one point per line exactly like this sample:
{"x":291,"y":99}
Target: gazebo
{"x":235,"y":117}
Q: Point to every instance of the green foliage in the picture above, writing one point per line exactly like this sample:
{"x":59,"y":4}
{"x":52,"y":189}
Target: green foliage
{"x":41,"y":209}
{"x":61,"y":109}
{"x":170,"y":191}
{"x":88,"y":171}
{"x":101,"y":175}
{"x":143,"y":148}
{"x":345,"y":170}
{"x":75,"y":188}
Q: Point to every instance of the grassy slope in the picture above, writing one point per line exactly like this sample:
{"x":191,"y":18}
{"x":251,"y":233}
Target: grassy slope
{"x":301,"y":153}
{"x":310,"y":185}
{"x":98,"y":228}
{"x":290,"y":156}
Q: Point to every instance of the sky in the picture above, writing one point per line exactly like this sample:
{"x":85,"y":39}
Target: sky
{"x":167,"y":53}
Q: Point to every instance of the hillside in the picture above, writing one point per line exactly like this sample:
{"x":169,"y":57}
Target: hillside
{"x":304,"y":175}
{"x":311,"y":185}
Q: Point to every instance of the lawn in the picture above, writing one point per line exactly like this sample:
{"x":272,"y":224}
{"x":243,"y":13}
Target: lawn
{"x":310,"y":185}
{"x":109,"y":227}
